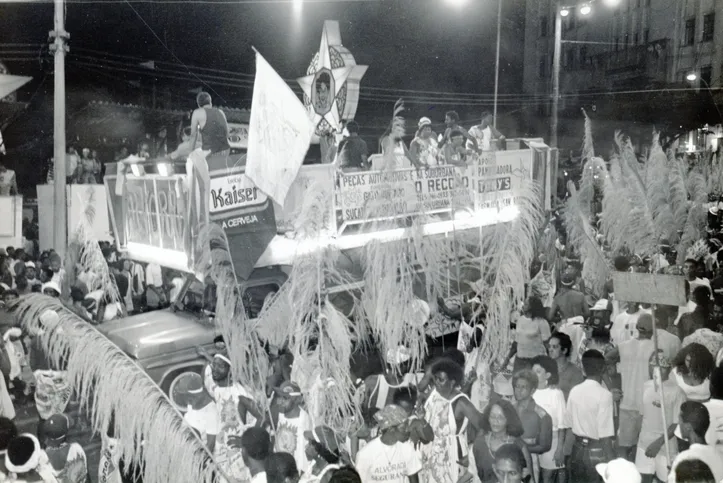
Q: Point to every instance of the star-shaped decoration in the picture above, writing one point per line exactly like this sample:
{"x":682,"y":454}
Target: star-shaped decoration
{"x":331,"y":86}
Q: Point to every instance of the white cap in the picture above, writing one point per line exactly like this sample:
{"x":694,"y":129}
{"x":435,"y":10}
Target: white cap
{"x":51,"y":285}
{"x":619,"y":470}
{"x":425,"y":121}
{"x":601,"y":304}
{"x":29,"y":265}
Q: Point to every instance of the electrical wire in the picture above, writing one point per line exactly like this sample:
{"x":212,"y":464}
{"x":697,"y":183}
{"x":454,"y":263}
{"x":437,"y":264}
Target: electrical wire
{"x":218,"y":96}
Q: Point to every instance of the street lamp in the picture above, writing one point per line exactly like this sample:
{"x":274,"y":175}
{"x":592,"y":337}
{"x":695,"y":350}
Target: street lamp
{"x":585,"y":9}
{"x":692,"y":77}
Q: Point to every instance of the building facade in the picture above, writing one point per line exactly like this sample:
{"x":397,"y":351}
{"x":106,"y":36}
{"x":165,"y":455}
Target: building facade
{"x":624,"y":60}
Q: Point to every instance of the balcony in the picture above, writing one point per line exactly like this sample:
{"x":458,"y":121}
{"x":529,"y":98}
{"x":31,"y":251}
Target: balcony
{"x":648,"y":61}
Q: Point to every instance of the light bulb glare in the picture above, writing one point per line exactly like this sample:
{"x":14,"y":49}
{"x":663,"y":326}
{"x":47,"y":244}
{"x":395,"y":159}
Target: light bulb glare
{"x":564,"y":12}
{"x":692,"y":76}
{"x":585,"y":9}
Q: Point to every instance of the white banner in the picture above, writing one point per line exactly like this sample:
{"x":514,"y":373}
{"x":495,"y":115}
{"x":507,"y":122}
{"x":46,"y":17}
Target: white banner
{"x":279,"y":133}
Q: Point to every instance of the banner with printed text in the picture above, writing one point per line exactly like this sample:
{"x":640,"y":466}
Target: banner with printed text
{"x":491,"y":182}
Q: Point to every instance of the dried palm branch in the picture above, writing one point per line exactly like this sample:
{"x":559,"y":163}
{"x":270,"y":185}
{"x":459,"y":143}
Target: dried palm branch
{"x":580,"y":234}
{"x":588,"y":150}
{"x":627,"y":218}
{"x":657,"y":187}
{"x":153,"y":435}
{"x":249,"y":362}
{"x":507,"y":253}
{"x":330,"y":398}
{"x":85,"y":256}
{"x":677,"y":176}
{"x":697,"y":216}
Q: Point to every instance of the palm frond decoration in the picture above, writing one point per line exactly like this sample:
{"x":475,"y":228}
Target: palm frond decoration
{"x":152,"y":433}
{"x":581,"y":235}
{"x":628,"y":220}
{"x":588,"y":149}
{"x":678,"y":175}
{"x":507,"y":252}
{"x":85,"y":256}
{"x":697,"y":216}
{"x":249,"y":362}
{"x":658,"y":189}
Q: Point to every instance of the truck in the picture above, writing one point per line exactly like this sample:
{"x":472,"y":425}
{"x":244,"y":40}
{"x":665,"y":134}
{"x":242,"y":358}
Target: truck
{"x":149,"y":205}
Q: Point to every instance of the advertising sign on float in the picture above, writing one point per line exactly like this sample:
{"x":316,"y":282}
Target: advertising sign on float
{"x":491,"y":183}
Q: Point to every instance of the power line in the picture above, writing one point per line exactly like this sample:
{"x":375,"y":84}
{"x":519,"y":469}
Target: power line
{"x":169,"y":50}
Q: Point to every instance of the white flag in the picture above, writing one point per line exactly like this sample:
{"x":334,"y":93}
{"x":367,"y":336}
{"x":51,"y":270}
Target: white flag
{"x":279,"y":133}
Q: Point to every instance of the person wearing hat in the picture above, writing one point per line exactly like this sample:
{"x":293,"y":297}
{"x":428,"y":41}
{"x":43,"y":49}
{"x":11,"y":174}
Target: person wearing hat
{"x":201,"y":413}
{"x":633,"y":356}
{"x":380,"y":388}
{"x":68,"y":460}
{"x":353,"y":152}
{"x":51,"y":289}
{"x":391,"y":456}
{"x":323,"y":453}
{"x":618,"y":470}
{"x":290,"y":421}
{"x":424,"y":145}
{"x":25,"y":461}
{"x":651,"y":442}
{"x":31,"y":275}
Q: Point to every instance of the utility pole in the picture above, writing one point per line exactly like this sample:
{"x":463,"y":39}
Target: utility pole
{"x":497,"y":61}
{"x":556,"y":75}
{"x":59,"y":36}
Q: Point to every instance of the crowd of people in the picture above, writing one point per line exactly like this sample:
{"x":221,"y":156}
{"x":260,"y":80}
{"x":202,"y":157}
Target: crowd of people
{"x":456,"y":146}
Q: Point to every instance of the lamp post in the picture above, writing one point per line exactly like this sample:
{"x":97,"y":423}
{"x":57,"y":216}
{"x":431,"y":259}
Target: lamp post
{"x":692,"y":77}
{"x":560,"y":12}
{"x":497,"y":61}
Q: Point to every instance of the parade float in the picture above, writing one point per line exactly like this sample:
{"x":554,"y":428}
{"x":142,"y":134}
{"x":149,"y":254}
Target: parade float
{"x":327,"y":263}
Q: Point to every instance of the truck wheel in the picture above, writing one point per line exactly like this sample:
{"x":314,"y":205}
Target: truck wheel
{"x":171,"y":380}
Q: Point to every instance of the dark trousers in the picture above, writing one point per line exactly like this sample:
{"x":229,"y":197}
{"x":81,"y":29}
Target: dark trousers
{"x":586,"y":453}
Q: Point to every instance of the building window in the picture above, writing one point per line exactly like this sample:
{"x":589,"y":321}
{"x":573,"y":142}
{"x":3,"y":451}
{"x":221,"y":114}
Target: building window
{"x":708,"y":26}
{"x":627,"y":41}
{"x":706,"y":75}
{"x":636,"y":38}
{"x":646,"y":36}
{"x":542,"y":68}
{"x":543,"y":26}
{"x":570,"y":58}
{"x":617,"y":43}
{"x":583,"y":55}
{"x":689,"y":37}
{"x":647,"y":3}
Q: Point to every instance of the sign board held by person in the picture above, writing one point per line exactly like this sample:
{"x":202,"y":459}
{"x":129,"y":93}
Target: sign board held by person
{"x":649,"y":288}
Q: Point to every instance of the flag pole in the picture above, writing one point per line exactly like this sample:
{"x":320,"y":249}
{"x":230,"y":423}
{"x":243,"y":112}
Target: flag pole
{"x":658,"y":377}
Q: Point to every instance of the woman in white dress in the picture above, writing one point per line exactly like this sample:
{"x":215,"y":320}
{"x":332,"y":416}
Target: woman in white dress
{"x":424,"y":146}
{"x":449,"y":412}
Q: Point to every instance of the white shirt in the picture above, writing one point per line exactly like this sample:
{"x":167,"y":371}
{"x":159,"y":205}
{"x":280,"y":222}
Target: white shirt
{"x":259,"y":478}
{"x":154,"y":276}
{"x":204,"y":420}
{"x":634,"y":357}
{"x":290,"y":438}
{"x":381,"y":463}
{"x":714,"y":436}
{"x":552,"y":400}
{"x":625,"y":326}
{"x":589,"y":411}
{"x":707,"y":454}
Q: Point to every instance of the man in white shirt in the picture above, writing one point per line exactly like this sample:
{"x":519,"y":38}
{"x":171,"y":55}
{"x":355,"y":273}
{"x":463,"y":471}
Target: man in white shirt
{"x":155,"y":296}
{"x":690,"y":272}
{"x":694,"y":423}
{"x":388,"y":458}
{"x":633,"y":356}
{"x":290,"y":421}
{"x":485,"y":133}
{"x":589,"y":417}
{"x":625,"y":324}
{"x":201,"y":414}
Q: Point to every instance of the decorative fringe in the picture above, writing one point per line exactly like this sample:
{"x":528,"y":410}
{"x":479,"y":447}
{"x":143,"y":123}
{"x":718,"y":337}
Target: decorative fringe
{"x":581,"y":235}
{"x":507,"y":252}
{"x":152,"y":434}
{"x":249,"y":362}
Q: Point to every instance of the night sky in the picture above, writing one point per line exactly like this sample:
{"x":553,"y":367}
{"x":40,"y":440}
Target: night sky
{"x":408,"y":44}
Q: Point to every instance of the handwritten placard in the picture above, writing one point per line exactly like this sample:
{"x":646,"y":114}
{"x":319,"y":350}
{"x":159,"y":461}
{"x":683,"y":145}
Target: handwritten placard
{"x":649,"y":288}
